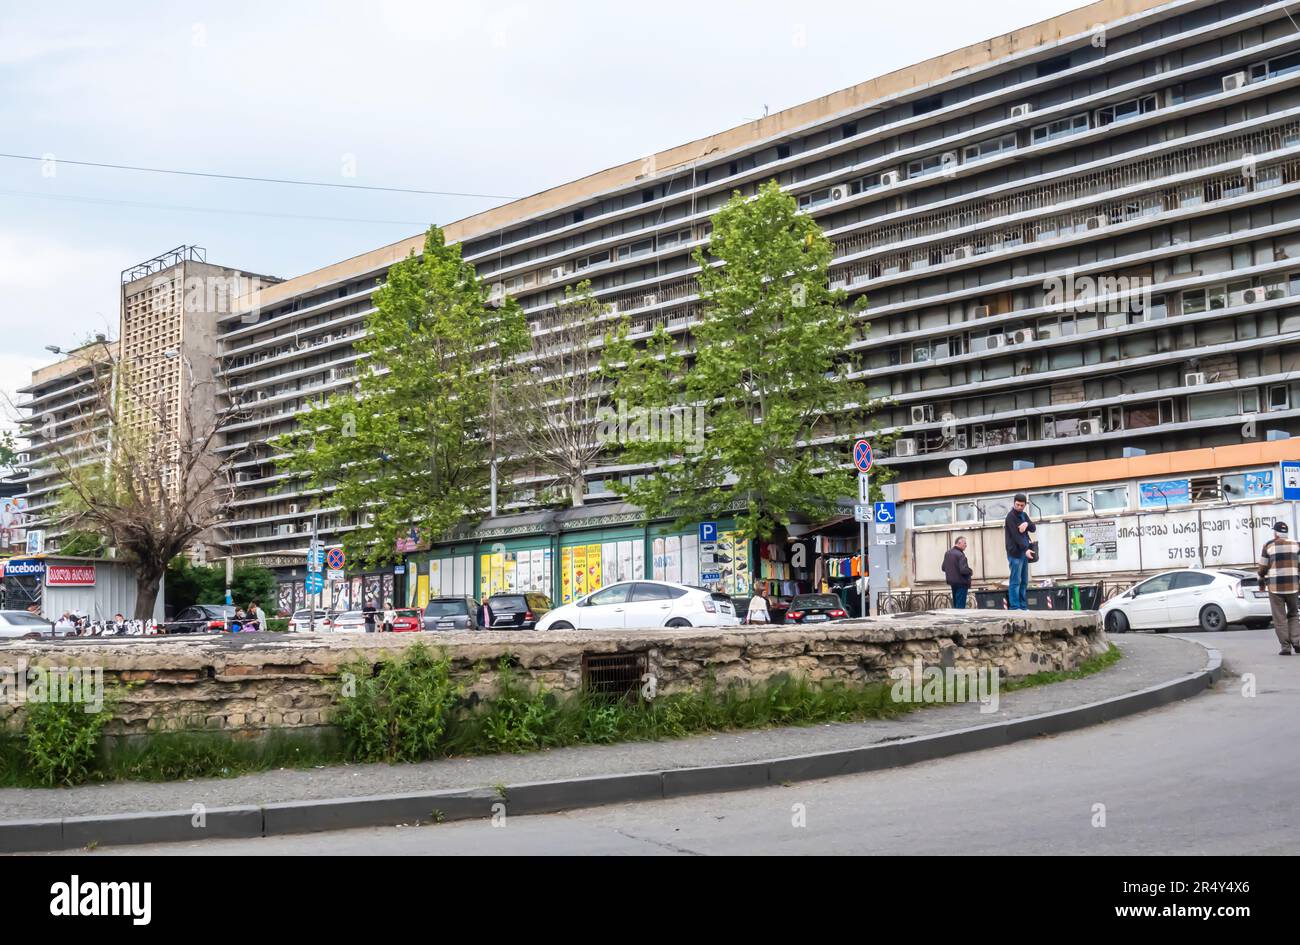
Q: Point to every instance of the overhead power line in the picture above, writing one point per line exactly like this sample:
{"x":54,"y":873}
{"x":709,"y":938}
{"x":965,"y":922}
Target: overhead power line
{"x":259,"y":180}
{"x":224,"y":210}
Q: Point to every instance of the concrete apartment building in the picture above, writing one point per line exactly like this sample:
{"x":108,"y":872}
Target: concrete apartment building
{"x":166,"y":363}
{"x":1081,"y":245}
{"x":61,"y":403}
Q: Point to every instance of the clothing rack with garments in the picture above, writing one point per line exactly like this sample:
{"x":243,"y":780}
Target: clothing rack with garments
{"x":777,"y":568}
{"x":835,"y":567}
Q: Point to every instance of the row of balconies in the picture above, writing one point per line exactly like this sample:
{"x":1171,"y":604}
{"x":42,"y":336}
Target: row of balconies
{"x":1112,"y":61}
{"x":683,"y":288}
{"x":1228,"y":67}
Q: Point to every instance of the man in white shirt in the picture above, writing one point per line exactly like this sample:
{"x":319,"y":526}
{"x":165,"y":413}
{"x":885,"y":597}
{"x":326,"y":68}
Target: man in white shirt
{"x":758,"y":612}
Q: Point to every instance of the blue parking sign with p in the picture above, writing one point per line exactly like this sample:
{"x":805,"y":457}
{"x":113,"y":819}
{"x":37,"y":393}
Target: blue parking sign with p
{"x":708,"y":532}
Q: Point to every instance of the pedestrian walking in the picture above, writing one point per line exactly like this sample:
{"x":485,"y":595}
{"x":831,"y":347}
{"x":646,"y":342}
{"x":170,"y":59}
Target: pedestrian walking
{"x":957,"y":572}
{"x":1279,"y":574}
{"x":758,"y":611}
{"x":1017,"y":528}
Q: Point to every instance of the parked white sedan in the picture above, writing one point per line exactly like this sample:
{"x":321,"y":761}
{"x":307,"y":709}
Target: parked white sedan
{"x":1209,"y":598}
{"x":19,"y":624}
{"x":633,"y":604}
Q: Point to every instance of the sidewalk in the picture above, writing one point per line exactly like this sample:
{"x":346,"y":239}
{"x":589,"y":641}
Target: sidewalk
{"x":1148,"y":661}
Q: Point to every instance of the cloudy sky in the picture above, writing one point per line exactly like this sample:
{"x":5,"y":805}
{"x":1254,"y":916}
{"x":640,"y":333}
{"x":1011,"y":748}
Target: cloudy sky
{"x":497,"y":99}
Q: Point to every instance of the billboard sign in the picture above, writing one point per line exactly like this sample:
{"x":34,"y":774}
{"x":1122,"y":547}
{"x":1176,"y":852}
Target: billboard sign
{"x":70,"y":575}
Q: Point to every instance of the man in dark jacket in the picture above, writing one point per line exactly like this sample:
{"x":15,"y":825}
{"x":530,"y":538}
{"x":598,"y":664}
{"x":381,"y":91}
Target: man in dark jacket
{"x":1017,"y":528}
{"x":957,"y":572}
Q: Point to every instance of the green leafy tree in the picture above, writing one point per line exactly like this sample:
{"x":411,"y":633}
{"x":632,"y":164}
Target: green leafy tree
{"x":411,"y":446}
{"x":189,"y":584}
{"x":81,"y":544}
{"x":8,"y":450}
{"x":768,"y":380}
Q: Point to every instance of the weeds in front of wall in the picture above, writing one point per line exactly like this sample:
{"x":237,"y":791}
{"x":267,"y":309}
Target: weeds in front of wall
{"x":411,"y":709}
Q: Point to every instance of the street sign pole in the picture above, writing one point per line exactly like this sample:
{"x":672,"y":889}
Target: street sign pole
{"x":865,"y":490}
{"x":862,"y":459}
{"x":230,"y":579}
{"x":311,"y":563}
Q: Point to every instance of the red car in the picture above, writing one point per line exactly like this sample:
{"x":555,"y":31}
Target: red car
{"x":407,"y":621}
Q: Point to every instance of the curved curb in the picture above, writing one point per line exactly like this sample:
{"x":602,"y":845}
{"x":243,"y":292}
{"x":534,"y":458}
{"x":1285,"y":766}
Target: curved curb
{"x":543,"y":797}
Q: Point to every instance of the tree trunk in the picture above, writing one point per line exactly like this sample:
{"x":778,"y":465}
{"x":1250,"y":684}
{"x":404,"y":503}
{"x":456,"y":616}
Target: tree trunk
{"x":147,"y":582}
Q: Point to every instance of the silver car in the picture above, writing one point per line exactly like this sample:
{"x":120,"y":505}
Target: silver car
{"x":19,"y":624}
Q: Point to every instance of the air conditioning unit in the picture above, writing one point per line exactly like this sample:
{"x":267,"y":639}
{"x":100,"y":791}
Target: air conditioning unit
{"x":997,"y":341}
{"x":1022,"y":336}
{"x":1251,"y":296}
{"x":905,"y":447}
{"x":839,"y":192}
{"x":1090,"y":427}
{"x":556,"y":272}
{"x":1195,"y":379}
{"x":1021,"y":110}
{"x":983,"y":311}
{"x":889,"y":178}
{"x":923,"y":414}
{"x":1238,"y":80}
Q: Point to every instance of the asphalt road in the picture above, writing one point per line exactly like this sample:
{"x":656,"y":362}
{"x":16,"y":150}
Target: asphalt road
{"x":1213,"y":774}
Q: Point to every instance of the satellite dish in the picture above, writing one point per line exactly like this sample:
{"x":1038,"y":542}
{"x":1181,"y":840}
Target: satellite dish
{"x":957,"y":467}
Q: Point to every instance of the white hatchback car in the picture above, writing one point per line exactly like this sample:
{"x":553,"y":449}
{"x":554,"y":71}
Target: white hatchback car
{"x":633,"y":604}
{"x":1210,"y":598}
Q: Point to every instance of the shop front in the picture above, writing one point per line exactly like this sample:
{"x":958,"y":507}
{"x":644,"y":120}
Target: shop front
{"x":1111,"y":521}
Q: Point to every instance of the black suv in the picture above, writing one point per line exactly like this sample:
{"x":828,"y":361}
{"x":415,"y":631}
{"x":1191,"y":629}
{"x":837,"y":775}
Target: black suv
{"x":518,"y":611}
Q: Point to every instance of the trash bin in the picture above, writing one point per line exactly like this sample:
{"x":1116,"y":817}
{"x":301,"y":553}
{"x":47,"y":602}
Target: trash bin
{"x":1085,"y":596}
{"x":1048,"y":598}
{"x":991,"y":600}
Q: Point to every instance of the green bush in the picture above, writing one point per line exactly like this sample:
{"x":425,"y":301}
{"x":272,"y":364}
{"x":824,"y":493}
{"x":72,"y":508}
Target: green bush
{"x":61,"y":740}
{"x":400,"y":711}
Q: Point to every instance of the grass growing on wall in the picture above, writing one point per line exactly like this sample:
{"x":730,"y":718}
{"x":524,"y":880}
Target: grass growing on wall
{"x":412,"y":710}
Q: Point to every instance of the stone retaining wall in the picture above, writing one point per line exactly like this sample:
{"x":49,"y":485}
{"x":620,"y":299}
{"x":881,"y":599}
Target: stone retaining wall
{"x":253,"y":683}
